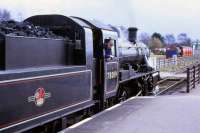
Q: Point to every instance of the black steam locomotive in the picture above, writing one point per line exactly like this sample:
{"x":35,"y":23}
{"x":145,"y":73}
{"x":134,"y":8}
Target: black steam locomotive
{"x":52,"y":80}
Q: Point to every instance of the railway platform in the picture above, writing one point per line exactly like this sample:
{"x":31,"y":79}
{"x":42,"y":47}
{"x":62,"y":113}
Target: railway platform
{"x":178,"y":113}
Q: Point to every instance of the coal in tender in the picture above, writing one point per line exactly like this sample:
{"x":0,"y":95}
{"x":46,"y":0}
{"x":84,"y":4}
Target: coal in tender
{"x":27,"y":29}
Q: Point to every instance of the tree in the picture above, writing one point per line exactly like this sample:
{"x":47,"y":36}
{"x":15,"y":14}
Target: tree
{"x":145,"y":38}
{"x":4,"y":15}
{"x":169,"y":39}
{"x":158,"y":36}
{"x":156,"y":41}
{"x":184,"y":40}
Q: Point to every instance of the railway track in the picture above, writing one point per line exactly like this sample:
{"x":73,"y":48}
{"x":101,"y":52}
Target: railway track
{"x":169,"y":85}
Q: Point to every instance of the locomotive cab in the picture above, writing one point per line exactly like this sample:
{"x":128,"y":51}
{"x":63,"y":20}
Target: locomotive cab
{"x":105,"y":68}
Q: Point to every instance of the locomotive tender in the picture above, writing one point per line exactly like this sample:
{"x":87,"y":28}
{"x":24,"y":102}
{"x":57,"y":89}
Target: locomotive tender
{"x":45,"y":79}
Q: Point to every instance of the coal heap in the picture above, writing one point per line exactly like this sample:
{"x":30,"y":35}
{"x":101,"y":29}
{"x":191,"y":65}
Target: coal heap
{"x":27,"y":29}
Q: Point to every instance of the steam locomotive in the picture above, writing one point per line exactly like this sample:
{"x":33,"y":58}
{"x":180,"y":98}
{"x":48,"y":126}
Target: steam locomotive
{"x":50,"y":81}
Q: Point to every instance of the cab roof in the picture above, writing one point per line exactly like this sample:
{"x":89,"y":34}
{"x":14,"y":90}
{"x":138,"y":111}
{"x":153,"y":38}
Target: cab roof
{"x":94,"y":23}
{"x":56,"y":20}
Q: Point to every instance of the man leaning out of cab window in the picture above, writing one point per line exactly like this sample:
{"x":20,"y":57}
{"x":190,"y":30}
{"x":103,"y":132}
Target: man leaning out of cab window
{"x":108,"y":48}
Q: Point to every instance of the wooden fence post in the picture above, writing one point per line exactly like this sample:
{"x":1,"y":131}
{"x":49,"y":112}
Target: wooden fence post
{"x":188,"y":80}
{"x":199,"y":74}
{"x":194,"y":77}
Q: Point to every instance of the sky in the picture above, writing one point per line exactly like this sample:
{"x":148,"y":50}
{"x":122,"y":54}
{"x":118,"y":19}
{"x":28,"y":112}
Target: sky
{"x":163,"y":16}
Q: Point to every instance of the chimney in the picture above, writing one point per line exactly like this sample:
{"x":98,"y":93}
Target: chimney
{"x":132,"y":34}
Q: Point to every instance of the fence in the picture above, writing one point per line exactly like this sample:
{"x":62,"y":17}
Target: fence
{"x":162,"y":62}
{"x":193,"y":77}
{"x":175,"y":64}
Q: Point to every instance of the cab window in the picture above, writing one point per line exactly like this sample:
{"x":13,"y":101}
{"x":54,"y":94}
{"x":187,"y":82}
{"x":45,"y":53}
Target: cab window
{"x":110,"y":48}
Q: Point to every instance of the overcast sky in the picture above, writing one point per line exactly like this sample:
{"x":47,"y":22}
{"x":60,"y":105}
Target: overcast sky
{"x":164,"y":16}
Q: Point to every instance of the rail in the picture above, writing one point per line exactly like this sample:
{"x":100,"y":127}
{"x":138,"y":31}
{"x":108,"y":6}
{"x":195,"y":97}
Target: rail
{"x":168,"y":84}
{"x":193,"y":77}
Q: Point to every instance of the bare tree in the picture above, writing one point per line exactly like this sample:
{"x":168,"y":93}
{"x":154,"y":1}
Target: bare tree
{"x":169,"y":39}
{"x":4,"y":15}
{"x":145,"y":38}
{"x":183,"y":39}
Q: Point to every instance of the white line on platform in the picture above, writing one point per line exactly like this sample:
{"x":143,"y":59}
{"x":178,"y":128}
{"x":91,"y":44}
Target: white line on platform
{"x":115,"y":106}
{"x":94,"y":116}
{"x":80,"y":123}
{"x":146,"y":97}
